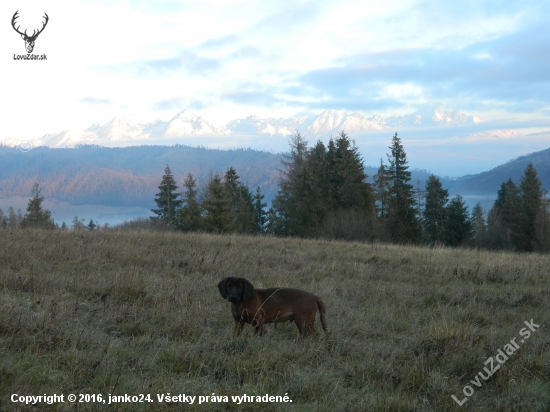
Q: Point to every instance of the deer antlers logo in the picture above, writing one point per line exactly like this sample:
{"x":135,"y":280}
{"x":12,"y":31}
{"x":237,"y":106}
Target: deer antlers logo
{"x":29,"y":40}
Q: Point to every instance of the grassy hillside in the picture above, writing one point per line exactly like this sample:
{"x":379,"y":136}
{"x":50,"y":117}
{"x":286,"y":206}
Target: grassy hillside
{"x":140,"y":313}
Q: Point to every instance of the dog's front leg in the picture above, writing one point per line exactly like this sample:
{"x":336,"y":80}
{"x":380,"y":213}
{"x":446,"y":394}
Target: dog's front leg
{"x":259,"y":329}
{"x":238,"y":327}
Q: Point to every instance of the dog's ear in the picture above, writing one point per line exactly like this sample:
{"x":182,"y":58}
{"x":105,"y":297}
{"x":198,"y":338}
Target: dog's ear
{"x":248,"y":289}
{"x":221,"y":287}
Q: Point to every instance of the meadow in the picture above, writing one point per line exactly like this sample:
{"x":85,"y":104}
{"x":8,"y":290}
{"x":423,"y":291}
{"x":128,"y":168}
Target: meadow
{"x":140,"y":313}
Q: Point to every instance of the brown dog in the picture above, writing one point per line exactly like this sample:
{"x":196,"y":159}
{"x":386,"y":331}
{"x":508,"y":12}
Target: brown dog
{"x":259,"y":306}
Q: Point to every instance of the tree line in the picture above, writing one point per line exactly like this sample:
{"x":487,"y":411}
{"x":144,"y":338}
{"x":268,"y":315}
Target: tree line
{"x":323,"y":192}
{"x":225,"y":205}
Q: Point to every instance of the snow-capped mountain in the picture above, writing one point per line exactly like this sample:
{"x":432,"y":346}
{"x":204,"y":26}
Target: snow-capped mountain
{"x":69,"y":137}
{"x":334,"y":121}
{"x":118,"y":129}
{"x":187,"y":124}
{"x":121,"y":131}
{"x":253,"y":125}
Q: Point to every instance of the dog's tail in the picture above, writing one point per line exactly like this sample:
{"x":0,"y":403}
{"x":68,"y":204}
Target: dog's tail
{"x":321,"y":307}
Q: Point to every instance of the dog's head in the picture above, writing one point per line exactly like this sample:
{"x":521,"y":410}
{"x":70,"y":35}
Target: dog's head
{"x":235,"y":289}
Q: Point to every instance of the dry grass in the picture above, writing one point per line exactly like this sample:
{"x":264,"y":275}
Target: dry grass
{"x":130,"y":313}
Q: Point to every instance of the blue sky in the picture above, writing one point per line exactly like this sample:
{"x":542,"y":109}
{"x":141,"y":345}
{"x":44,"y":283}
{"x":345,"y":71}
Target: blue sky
{"x":229,"y":59}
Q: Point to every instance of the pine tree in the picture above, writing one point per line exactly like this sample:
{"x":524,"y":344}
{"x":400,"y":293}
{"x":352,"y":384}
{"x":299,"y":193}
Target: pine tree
{"x":291,"y":205}
{"x":37,"y":217}
{"x":217,"y":206}
{"x":167,"y":199}
{"x":91,"y":225}
{"x":542,"y":225}
{"x":530,"y":201}
{"x":12,"y":218}
{"x":479,"y":227}
{"x":260,"y":215}
{"x":458,"y":227}
{"x":241,"y":202}
{"x":348,"y":178}
{"x":496,"y":232}
{"x":403,"y":224}
{"x":3,"y":220}
{"x":507,"y":207}
{"x":381,"y":187}
{"x":189,"y":216}
{"x":434,"y":211}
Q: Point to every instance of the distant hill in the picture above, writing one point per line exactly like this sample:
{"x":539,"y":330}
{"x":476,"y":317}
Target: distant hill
{"x":127,"y":176}
{"x":490,"y":181}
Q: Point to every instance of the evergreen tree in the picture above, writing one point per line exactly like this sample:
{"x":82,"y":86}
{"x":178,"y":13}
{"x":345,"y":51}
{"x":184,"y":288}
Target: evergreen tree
{"x":167,"y":199}
{"x":504,"y":216}
{"x":496,"y":232}
{"x":189,"y":216}
{"x":317,"y":190}
{"x":348,"y":178}
{"x":403,"y":224}
{"x":317,"y":182}
{"x":241,"y":203}
{"x":292,"y":205}
{"x":37,"y":217}
{"x":434,"y":211}
{"x":458,"y":227}
{"x":530,"y":201}
{"x":419,"y":197}
{"x":91,"y":225}
{"x":63,"y":226}
{"x":217,"y":206}
{"x":12,"y":218}
{"x":260,"y":215}
{"x":3,"y":220}
{"x":479,"y":228}
{"x":382,"y":185}
{"x":542,"y":225}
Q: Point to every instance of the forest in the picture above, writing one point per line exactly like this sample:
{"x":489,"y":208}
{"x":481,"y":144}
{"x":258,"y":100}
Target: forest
{"x":324,"y":193}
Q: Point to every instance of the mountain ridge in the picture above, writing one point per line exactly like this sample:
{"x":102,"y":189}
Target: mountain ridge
{"x":125,"y":132}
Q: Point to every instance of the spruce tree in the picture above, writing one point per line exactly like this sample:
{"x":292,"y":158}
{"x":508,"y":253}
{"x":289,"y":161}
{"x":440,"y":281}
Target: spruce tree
{"x":381,"y":187}
{"x":167,"y":199}
{"x":91,"y":225}
{"x":505,"y":216}
{"x":478,"y":226}
{"x":403,"y":224}
{"x":12,"y":219}
{"x":37,"y":217}
{"x":217,"y":206}
{"x":189,"y":216}
{"x":241,"y":202}
{"x":530,"y":201}
{"x":543,"y":225}
{"x":458,"y":227}
{"x":348,"y":178}
{"x":260,"y":215}
{"x":292,"y":205}
{"x":3,"y":220}
{"x":434,"y":211}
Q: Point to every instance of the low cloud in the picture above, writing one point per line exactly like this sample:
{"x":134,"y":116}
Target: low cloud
{"x":95,"y":101}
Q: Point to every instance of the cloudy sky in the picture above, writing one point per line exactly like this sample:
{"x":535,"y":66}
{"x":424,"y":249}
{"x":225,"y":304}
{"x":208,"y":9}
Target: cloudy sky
{"x":228,"y":59}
